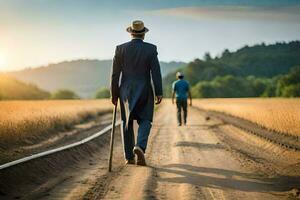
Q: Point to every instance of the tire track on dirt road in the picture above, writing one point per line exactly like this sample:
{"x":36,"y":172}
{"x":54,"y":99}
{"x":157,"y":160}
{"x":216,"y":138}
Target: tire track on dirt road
{"x":191,"y":162}
{"x":67,"y":174}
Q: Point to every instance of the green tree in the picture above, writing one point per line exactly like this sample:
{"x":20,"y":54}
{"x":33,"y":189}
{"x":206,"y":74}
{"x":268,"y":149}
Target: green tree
{"x":287,"y":84}
{"x":259,"y":85}
{"x":204,"y":89}
{"x":64,"y":94}
{"x":102,"y":93}
{"x":226,"y":53}
{"x":226,"y":86}
{"x":291,"y":91}
{"x":207,"y":56}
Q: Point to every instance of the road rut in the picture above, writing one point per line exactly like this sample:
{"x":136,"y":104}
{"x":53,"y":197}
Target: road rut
{"x":192,"y":162}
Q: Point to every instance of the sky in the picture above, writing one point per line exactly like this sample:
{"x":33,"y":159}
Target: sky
{"x":39,"y":32}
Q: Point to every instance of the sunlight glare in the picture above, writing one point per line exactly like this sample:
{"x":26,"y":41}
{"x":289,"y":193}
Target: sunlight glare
{"x":2,"y":62}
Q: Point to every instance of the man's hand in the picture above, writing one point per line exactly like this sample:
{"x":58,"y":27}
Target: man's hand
{"x":191,"y":103}
{"x":173,"y":101}
{"x":158,"y":99}
{"x":114,"y":101}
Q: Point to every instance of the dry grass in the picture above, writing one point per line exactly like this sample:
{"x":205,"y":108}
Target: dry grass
{"x":281,"y":115}
{"x":22,"y":120}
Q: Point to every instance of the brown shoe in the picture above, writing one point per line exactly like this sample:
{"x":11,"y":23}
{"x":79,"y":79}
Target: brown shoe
{"x":140,"y":156}
{"x":130,"y":162}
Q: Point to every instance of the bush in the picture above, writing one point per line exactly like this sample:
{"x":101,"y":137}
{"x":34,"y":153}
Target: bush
{"x":102,"y":93}
{"x":288,"y":85}
{"x":64,"y":94}
{"x":226,"y":86}
{"x":291,"y":91}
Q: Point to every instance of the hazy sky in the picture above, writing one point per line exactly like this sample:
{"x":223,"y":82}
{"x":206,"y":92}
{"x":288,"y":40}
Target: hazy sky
{"x":38,"y":32}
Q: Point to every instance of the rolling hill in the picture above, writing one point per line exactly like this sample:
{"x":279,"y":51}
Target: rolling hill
{"x":12,"y":89}
{"x":82,"y":76}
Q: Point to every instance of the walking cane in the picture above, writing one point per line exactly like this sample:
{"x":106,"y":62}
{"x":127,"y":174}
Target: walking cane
{"x":112,"y":136}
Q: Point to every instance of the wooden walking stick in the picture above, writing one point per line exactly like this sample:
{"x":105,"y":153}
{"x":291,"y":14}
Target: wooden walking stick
{"x":112,"y":136}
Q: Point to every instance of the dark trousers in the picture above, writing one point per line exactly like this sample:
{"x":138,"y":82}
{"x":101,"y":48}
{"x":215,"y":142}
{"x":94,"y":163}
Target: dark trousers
{"x":181,"y":105}
{"x":142,"y":137}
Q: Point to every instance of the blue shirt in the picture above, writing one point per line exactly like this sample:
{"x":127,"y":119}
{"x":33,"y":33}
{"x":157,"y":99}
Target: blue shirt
{"x":181,"y":88}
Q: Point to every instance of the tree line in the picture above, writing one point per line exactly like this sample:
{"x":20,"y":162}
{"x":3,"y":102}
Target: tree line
{"x":258,"y":71}
{"x":236,"y":86}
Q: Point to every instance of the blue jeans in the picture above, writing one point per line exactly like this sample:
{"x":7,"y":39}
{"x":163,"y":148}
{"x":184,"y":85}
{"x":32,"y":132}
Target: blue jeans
{"x":181,"y":105}
{"x":142,"y":137}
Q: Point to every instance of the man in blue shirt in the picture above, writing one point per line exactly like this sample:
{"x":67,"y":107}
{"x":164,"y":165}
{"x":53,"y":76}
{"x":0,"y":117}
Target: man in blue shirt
{"x":181,"y":90}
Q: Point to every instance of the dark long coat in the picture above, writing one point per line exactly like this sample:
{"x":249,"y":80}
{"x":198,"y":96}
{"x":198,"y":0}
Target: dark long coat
{"x":136,"y":62}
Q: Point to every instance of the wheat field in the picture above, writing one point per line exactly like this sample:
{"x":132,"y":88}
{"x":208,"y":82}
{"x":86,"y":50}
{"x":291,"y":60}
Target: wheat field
{"x":20,"y":120}
{"x":278,"y":114}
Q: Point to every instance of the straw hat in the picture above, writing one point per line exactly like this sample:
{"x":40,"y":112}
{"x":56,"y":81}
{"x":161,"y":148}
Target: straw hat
{"x":137,"y":27}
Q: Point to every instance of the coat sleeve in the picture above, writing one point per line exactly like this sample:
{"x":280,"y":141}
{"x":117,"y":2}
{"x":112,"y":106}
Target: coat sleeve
{"x":156,"y":75}
{"x":115,"y":74}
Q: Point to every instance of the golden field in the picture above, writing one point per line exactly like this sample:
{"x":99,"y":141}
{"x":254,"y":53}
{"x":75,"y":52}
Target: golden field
{"x":25,"y":119}
{"x":278,"y":114}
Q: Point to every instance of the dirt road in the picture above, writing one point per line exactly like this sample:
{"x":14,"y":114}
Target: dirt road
{"x":199,"y":161}
{"x":207,"y":159}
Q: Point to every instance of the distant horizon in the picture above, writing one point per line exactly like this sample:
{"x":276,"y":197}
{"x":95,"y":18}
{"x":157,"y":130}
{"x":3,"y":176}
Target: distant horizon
{"x":109,"y":59}
{"x":76,"y":59}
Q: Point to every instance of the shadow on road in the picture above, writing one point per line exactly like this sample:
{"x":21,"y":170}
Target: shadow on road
{"x":227,"y":179}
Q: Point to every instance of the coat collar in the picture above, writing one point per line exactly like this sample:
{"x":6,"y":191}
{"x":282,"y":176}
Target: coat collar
{"x":137,"y":40}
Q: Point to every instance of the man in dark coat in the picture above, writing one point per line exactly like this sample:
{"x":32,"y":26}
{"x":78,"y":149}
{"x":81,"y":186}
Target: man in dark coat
{"x":134,"y":65}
